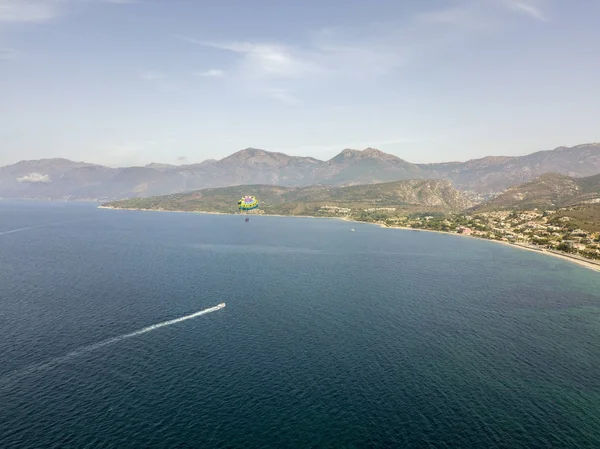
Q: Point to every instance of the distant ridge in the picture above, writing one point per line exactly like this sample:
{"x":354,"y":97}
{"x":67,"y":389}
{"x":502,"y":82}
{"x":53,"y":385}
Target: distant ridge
{"x":549,"y":191}
{"x":61,"y":179}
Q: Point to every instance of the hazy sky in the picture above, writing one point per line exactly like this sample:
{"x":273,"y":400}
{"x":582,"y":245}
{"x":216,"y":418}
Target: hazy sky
{"x":179,"y":81}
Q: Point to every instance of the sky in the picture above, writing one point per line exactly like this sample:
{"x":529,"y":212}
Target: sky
{"x":128,"y":82}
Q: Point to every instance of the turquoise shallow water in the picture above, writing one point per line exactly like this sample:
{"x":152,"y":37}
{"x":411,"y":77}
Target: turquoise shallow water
{"x":330,"y":338}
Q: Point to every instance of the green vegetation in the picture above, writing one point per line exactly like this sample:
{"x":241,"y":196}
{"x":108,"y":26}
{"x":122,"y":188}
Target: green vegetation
{"x":417,"y":204}
{"x":361,"y":202}
{"x":586,"y":217}
{"x":549,"y":191}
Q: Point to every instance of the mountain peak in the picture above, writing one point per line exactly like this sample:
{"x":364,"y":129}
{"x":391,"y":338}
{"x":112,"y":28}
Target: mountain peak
{"x":159,"y":166}
{"x":245,"y":152}
{"x":375,"y":153}
{"x":368,"y":153}
{"x":253,"y":154}
{"x":350,"y":152}
{"x":48,"y":164}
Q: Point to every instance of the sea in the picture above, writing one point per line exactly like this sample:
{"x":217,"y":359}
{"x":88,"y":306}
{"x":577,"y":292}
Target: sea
{"x":378,"y":338}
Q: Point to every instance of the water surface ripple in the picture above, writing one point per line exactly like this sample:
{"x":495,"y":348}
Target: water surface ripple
{"x":330,"y":338}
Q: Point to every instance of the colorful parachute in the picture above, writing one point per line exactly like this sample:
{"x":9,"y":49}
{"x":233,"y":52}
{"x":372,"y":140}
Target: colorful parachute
{"x":248,"y":203}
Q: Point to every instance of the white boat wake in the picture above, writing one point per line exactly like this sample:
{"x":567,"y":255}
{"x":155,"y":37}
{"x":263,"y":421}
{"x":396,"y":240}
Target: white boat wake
{"x":15,"y":375}
{"x":12,"y":231}
{"x":18,"y":230}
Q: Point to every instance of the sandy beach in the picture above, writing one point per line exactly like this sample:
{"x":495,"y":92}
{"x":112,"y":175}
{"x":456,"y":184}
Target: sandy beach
{"x":589,"y":264}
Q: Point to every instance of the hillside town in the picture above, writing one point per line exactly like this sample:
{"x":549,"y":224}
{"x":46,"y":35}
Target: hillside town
{"x":543,"y":230}
{"x":530,"y":228}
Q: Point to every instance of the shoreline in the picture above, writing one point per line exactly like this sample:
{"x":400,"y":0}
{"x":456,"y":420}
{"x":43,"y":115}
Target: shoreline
{"x":228,"y":213}
{"x":590,"y":265}
{"x":578,"y":260}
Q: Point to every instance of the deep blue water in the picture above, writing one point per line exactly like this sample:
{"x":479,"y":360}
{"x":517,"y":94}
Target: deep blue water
{"x":330,"y":338}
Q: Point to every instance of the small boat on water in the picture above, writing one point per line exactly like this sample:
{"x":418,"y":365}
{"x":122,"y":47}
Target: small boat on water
{"x":353,"y":230}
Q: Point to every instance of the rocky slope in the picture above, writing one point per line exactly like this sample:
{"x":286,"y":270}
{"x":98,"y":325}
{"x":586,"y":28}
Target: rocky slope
{"x":549,"y":191}
{"x":408,"y":196}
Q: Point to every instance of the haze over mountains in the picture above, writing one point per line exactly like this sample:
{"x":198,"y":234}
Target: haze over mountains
{"x":61,"y":179}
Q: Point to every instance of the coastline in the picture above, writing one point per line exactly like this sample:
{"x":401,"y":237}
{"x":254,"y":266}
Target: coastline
{"x":228,"y":213}
{"x":590,"y":265}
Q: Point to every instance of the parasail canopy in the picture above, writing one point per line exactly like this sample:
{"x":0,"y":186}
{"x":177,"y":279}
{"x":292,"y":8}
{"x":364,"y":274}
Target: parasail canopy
{"x":248,"y":203}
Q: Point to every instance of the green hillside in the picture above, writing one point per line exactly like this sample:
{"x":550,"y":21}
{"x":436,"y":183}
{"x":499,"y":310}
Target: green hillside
{"x":405,"y":196}
{"x":586,"y":217}
{"x":549,"y":191}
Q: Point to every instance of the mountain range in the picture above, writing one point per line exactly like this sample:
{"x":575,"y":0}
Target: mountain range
{"x":61,"y":179}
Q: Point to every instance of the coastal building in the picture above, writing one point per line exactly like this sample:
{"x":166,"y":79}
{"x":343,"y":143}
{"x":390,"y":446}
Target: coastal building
{"x":335,"y":209}
{"x":377,"y":209}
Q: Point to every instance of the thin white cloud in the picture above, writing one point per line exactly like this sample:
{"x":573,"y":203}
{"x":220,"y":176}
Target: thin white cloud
{"x":528,"y":9}
{"x":35,"y":178}
{"x":16,"y":11}
{"x":36,"y":11}
{"x":356,"y":52}
{"x":482,"y":15}
{"x":211,"y":73}
{"x":364,"y":52}
{"x":274,"y":69}
{"x":265,"y":59}
{"x":29,"y":10}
